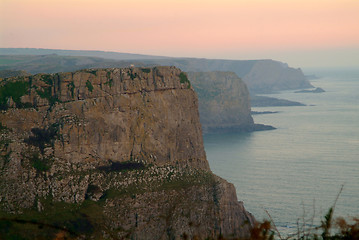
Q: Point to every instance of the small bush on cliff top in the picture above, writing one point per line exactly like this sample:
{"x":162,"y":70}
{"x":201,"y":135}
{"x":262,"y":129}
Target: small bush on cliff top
{"x":184,"y":79}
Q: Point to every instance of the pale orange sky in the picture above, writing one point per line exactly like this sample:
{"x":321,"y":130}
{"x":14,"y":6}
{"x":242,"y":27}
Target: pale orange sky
{"x":300,"y":32}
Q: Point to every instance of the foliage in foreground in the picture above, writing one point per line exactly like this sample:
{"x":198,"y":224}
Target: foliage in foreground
{"x":58,"y":226}
{"x":329,"y":229}
{"x":339,"y":229}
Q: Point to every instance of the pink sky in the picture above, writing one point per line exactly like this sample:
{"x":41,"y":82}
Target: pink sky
{"x":241,"y":29}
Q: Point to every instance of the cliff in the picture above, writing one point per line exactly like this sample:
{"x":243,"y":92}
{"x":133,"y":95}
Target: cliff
{"x":268,"y":76}
{"x":109,"y":153}
{"x":223,"y":101}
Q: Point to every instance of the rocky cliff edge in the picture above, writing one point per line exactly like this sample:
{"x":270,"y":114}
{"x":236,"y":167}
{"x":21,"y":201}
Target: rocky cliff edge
{"x":110,"y":153}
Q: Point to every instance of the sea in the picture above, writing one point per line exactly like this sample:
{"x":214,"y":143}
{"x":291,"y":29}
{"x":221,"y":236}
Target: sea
{"x":310,"y":163}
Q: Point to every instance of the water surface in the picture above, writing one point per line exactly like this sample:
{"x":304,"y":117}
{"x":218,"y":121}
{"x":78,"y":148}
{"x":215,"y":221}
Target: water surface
{"x":298,"y":169}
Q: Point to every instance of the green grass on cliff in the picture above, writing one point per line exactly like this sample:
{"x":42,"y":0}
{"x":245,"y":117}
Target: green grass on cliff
{"x":14,"y":90}
{"x":89,"y":85}
{"x":184,"y":79}
{"x":40,"y":163}
{"x":71,"y":88}
{"x":57,"y":218}
{"x":46,"y":93}
{"x":47,"y":78}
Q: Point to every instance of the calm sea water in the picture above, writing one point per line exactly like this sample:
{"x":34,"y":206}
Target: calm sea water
{"x":298,"y":169}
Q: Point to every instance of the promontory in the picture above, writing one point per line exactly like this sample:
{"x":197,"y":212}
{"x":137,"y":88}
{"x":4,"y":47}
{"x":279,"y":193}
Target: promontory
{"x":109,"y":154}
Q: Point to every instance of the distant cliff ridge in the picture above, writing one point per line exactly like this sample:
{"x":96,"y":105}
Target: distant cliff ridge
{"x":269,"y":76}
{"x":261,"y":76}
{"x":109,"y":154}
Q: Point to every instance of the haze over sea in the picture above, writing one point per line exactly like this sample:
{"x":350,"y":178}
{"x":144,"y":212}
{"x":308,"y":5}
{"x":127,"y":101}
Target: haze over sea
{"x":298,"y":169}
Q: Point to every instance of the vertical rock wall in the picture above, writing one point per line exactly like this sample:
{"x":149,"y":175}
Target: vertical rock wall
{"x":121,"y":146}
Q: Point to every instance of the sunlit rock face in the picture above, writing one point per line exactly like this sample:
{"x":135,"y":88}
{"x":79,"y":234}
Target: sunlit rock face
{"x":111,"y":153}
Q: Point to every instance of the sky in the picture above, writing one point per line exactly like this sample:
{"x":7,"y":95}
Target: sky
{"x":303,"y":33}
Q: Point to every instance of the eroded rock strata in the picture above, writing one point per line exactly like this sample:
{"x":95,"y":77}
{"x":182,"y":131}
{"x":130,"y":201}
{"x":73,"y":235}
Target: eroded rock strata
{"x":109,"y":153}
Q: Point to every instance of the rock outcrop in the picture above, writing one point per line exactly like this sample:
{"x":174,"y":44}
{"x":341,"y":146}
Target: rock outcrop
{"x":223,"y":101}
{"x":110,"y":153}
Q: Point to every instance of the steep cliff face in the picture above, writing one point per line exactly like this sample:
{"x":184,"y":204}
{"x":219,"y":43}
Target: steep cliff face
{"x":110,"y":153}
{"x":94,"y":112}
{"x":223,"y":101}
